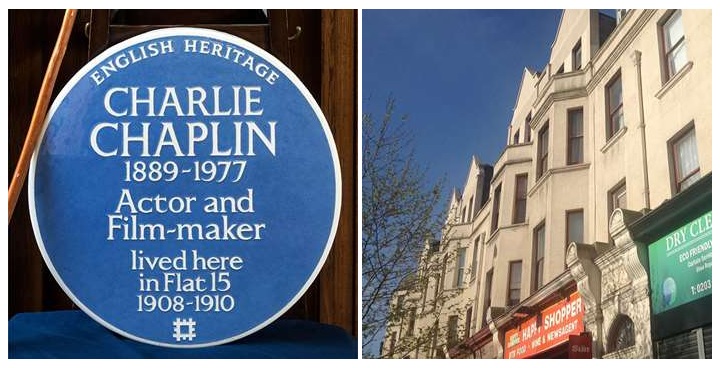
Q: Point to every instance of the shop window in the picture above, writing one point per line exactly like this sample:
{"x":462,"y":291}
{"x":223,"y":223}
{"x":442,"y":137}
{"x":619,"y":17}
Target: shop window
{"x":496,"y":208}
{"x":460,"y":269}
{"x":622,"y":334}
{"x":577,"y":56}
{"x":514,"y":283}
{"x":575,"y":136}
{"x":542,"y":155}
{"x":686,"y":166}
{"x":614,"y":102}
{"x":674,"y":45}
{"x":520,"y":199}
{"x":452,"y":330}
{"x":538,"y":256}
{"x":528,"y":118}
{"x":486,"y":299}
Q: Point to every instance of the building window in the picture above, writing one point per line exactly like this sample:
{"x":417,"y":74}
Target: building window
{"x":444,"y":272}
{"x":538,"y":256}
{"x":574,"y":231}
{"x":528,"y":118}
{"x":575,"y":136}
{"x":514,"y":282}
{"x":577,"y":56}
{"x":496,"y":208}
{"x":411,"y":323}
{"x":476,"y":248}
{"x":520,"y":199}
{"x":393,"y":337}
{"x":542,"y":163}
{"x":574,"y":226}
{"x":468,"y":322}
{"x":470,"y":212}
{"x":460,"y":267}
{"x":488,"y":292}
{"x":622,"y":334}
{"x":674,"y":46}
{"x":452,"y":331}
{"x":433,"y":344}
{"x":614,"y":101}
{"x":463,"y":214}
{"x":617,"y":197}
{"x":686,"y":167}
{"x":516,"y":137}
{"x":561,"y":69}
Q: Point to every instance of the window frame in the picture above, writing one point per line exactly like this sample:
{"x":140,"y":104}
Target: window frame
{"x":673,"y":145}
{"x":452,"y":331}
{"x":476,"y":249}
{"x":519,"y":199}
{"x":460,"y":267}
{"x":528,"y":131}
{"x":577,"y":51}
{"x":610,"y":130}
{"x":571,"y":138}
{"x":537,"y":277}
{"x":568,"y":213}
{"x":667,"y":75}
{"x":468,"y":322}
{"x":509,"y":283}
{"x":487,"y":301}
{"x":495,"y":219}
{"x":543,"y":157}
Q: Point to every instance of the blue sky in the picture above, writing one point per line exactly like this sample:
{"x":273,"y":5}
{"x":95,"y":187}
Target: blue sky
{"x":456,"y":74}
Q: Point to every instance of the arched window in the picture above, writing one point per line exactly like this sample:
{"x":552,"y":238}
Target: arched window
{"x":622,"y":334}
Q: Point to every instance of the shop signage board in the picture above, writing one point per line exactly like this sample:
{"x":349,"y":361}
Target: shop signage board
{"x":580,"y":346}
{"x":548,"y":329}
{"x":186,"y":190}
{"x":681,"y":265}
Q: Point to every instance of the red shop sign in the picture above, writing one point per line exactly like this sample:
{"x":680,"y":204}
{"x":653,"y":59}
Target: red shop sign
{"x":555,"y":324}
{"x":580,"y":346}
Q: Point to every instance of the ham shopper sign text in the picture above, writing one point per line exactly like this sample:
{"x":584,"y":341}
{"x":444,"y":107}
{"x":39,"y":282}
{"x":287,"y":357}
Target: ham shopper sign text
{"x":185,"y":192}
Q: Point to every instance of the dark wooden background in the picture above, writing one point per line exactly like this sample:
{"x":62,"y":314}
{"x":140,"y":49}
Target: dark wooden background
{"x":324,"y":57}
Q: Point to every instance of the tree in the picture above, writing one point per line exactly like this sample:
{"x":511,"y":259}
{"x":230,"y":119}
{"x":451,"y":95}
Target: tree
{"x":397,"y":217}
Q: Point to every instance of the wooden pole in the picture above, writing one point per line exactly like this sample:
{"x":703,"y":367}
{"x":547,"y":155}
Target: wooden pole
{"x":41,"y":106}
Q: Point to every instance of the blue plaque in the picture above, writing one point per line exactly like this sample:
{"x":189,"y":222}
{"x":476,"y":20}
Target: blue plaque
{"x":186,"y":190}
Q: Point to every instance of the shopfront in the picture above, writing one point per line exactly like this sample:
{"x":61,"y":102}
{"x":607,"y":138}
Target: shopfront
{"x":680,"y":272}
{"x":548,"y":334}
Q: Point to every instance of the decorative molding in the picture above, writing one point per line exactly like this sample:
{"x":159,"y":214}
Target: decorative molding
{"x":668,"y":85}
{"x":507,"y":163}
{"x":619,"y":49}
{"x":557,"y":170}
{"x":614,"y":139}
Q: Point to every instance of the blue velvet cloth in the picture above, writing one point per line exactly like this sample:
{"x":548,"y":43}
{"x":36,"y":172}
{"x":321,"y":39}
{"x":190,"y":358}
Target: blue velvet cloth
{"x":72,"y":334}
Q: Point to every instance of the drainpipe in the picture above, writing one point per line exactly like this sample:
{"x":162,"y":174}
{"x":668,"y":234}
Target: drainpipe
{"x":636,"y":57}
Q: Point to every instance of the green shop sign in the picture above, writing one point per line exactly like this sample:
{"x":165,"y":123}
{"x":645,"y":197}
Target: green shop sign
{"x":681,"y":265}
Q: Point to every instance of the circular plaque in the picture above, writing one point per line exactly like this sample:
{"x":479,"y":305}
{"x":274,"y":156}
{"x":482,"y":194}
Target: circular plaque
{"x":186,"y":189}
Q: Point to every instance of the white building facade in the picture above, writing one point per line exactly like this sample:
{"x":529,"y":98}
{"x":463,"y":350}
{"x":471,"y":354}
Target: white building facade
{"x":573,"y":244}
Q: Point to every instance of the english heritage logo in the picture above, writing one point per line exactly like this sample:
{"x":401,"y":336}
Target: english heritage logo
{"x":186,"y":190}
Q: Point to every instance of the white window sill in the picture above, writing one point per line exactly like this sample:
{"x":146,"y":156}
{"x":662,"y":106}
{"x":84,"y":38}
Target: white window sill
{"x":673,"y":81}
{"x":614,"y":139}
